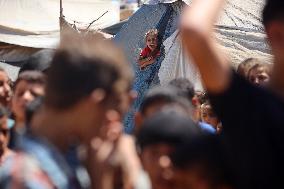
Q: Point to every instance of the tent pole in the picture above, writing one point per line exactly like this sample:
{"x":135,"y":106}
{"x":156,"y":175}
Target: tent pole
{"x":61,"y":18}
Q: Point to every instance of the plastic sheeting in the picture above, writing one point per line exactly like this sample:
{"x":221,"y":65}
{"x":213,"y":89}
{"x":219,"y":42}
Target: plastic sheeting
{"x":239,"y":31}
{"x":164,"y":17}
{"x":35,"y":23}
{"x":13,"y":54}
{"x":177,"y":64}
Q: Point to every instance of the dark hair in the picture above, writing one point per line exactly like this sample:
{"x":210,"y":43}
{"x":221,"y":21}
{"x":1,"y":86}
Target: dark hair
{"x":186,"y":88}
{"x":166,"y":94}
{"x":39,"y":61}
{"x":31,"y":77}
{"x":266,"y":67}
{"x":169,"y":127}
{"x":209,"y":155}
{"x":83,"y":64}
{"x":273,"y":10}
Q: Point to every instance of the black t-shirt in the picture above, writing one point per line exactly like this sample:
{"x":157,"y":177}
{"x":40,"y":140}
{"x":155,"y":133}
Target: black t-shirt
{"x":253,"y":123}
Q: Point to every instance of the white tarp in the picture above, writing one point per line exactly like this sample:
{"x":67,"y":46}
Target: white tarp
{"x":181,"y":68}
{"x":35,"y":23}
{"x":239,"y":31}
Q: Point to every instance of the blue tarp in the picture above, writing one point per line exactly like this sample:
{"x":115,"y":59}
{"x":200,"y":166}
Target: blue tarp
{"x":163,"y":17}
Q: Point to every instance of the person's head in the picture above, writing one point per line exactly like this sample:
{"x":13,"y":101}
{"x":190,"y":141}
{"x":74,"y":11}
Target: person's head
{"x":246,"y":65}
{"x":39,"y":61}
{"x":185,"y":87}
{"x":151,"y":39}
{"x":208,"y":115}
{"x":203,"y":162}
{"x":158,"y":138}
{"x":5,"y":88}
{"x":157,"y":98}
{"x":260,"y":74}
{"x":273,"y":20}
{"x":28,"y":86}
{"x":87,"y":78}
{"x":4,"y":130}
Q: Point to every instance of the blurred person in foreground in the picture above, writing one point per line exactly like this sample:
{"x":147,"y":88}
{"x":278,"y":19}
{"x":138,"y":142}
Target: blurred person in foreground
{"x":5,"y":127}
{"x":85,"y":83}
{"x":159,"y":136}
{"x":252,"y":117}
{"x":174,"y":101}
{"x":203,"y":162}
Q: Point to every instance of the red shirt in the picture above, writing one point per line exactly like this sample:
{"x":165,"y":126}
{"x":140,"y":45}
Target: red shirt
{"x":146,"y":52}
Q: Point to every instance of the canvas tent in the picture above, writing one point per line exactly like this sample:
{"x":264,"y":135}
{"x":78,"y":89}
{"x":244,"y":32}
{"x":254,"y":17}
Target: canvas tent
{"x":239,"y":32}
{"x":27,"y":26}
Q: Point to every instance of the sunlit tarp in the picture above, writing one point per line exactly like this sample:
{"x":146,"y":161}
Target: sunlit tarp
{"x":35,"y":23}
{"x":239,"y":32}
{"x":164,"y":17}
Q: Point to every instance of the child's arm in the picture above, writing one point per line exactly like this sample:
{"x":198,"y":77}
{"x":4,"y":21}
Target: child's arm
{"x":143,"y":62}
{"x":197,"y":38}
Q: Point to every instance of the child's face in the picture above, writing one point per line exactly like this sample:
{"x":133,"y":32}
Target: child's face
{"x":259,"y":76}
{"x":208,"y":116}
{"x":152,"y":42}
{"x":24,"y":93}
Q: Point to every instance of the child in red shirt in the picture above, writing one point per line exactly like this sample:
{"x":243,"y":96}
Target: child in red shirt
{"x":150,"y":53}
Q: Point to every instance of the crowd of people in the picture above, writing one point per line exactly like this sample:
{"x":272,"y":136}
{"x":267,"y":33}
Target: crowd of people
{"x":61,"y":120}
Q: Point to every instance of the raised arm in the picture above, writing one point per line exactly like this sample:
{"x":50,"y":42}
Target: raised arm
{"x":197,"y":30}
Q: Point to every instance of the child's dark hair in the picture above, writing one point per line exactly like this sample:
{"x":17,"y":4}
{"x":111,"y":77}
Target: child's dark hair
{"x":167,"y":94}
{"x":185,"y":87}
{"x":31,"y":77}
{"x":167,"y":127}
